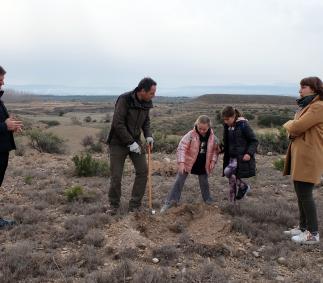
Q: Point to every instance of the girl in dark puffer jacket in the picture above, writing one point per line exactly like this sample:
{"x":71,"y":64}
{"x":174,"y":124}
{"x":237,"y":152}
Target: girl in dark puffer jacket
{"x":239,"y":146}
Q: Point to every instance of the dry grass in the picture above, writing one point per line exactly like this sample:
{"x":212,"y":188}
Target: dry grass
{"x":61,"y":241}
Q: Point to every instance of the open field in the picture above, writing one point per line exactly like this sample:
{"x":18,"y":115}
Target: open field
{"x":58,"y":240}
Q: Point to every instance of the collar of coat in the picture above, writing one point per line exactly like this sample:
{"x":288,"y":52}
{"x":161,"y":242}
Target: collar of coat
{"x":238,"y":122}
{"x":303,"y":110}
{"x":140,"y":104}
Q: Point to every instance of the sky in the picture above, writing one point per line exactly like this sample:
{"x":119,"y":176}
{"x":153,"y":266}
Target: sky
{"x":179,"y":43}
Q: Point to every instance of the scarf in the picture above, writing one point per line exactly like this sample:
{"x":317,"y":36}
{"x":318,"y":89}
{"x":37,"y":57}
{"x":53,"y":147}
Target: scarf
{"x":304,"y":101}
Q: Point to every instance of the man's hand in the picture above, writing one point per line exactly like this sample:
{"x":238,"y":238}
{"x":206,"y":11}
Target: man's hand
{"x":181,"y":168}
{"x":150,"y":142}
{"x":134,"y":147}
{"x":14,"y":125}
{"x":212,"y":165}
{"x":246,"y":157}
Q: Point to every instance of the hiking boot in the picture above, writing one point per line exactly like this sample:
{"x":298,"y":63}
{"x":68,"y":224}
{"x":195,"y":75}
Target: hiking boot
{"x":306,"y":238}
{"x":293,"y":231}
{"x":6,"y":223}
{"x":135,"y":209}
{"x":242,"y":192}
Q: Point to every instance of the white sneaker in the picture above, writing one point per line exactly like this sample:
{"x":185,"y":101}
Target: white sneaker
{"x":306,"y":238}
{"x":293,"y":232}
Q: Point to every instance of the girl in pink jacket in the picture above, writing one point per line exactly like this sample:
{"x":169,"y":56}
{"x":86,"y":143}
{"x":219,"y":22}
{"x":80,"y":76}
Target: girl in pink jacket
{"x":197,"y":153}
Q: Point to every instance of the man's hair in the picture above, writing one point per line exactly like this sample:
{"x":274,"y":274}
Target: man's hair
{"x":145,"y":84}
{"x":2,"y":71}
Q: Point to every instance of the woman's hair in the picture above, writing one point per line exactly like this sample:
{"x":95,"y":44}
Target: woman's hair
{"x":203,"y":119}
{"x":2,"y":71}
{"x":315,"y":84}
{"x":229,"y":111}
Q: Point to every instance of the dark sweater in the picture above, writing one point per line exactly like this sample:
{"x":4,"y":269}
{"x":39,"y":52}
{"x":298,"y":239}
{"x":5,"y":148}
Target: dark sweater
{"x":7,"y":142}
{"x":199,"y":164}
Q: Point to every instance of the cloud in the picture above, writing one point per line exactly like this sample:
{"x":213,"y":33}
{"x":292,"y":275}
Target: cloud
{"x":178,"y":42}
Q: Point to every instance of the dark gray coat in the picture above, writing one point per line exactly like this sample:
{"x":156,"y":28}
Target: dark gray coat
{"x":130,"y":118}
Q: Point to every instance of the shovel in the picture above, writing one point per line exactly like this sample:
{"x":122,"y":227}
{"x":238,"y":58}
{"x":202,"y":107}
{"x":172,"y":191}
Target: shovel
{"x":149,"y":182}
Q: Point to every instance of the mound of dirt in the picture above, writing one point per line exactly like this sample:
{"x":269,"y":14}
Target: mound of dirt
{"x":201,"y":224}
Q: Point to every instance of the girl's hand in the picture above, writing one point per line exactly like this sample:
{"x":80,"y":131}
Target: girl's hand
{"x":212,"y":165}
{"x":181,"y":168}
{"x":246,"y":157}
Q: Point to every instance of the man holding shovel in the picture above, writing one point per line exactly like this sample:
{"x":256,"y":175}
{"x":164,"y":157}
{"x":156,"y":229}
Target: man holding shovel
{"x":130,"y":119}
{"x":8,"y":125}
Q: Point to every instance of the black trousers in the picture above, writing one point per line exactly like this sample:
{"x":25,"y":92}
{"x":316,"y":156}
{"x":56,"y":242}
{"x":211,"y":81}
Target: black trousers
{"x":4,"y":157}
{"x":306,"y":205}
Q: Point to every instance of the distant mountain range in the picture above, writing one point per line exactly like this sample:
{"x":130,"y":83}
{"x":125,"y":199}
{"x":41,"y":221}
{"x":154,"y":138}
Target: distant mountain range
{"x":188,"y":91}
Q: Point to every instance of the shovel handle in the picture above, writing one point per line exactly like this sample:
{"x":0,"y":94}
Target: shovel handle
{"x":149,"y":178}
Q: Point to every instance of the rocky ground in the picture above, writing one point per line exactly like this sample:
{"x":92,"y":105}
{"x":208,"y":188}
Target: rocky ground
{"x":61,"y":241}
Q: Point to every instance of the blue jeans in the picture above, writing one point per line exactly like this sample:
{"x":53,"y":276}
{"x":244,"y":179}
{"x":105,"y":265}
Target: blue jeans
{"x":176,"y":191}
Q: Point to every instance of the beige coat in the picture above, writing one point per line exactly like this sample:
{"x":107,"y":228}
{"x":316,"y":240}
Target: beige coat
{"x":304,"y":159}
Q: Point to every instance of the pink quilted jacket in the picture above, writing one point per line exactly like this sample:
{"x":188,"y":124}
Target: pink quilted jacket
{"x":188,"y":149}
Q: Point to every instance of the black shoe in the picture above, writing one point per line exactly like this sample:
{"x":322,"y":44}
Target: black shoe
{"x":6,"y":223}
{"x":242,"y":192}
{"x":135,"y":209}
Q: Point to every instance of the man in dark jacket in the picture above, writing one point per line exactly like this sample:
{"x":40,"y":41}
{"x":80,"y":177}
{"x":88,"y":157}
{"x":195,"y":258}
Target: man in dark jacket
{"x":130,"y":119}
{"x":8,"y":125}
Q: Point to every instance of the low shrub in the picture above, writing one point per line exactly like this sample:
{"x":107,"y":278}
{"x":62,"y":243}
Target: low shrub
{"x":166,"y":143}
{"x":73,"y":193}
{"x":272,"y":120}
{"x":272,"y":142}
{"x":87,"y":119}
{"x":279,"y":164}
{"x":86,"y":166}
{"x":50,"y":123}
{"x":46,"y":142}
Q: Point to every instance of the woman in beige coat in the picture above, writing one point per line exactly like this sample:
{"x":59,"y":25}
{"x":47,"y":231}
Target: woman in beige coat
{"x":304,"y":159}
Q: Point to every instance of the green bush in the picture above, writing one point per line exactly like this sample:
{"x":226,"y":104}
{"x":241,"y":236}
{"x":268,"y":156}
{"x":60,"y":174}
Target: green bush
{"x":87,"y":119}
{"x":50,"y":123}
{"x":271,"y":142}
{"x":28,"y":180}
{"x":46,"y":142}
{"x":272,"y":120}
{"x":218,"y":117}
{"x":166,"y":143}
{"x":96,"y":147}
{"x":73,"y":193}
{"x":279,"y":164}
{"x":86,"y":166}
{"x":249,"y":116}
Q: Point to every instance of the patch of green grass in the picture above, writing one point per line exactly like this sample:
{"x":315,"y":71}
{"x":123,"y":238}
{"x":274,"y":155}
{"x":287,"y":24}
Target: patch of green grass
{"x":74,"y":193}
{"x":28,"y":179}
{"x":279,"y":164}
